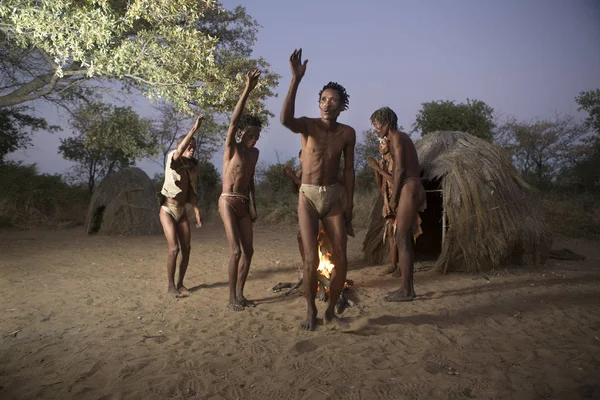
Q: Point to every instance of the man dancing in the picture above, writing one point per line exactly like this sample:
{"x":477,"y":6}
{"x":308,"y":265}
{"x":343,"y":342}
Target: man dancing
{"x":324,"y":140}
{"x":236,"y":203}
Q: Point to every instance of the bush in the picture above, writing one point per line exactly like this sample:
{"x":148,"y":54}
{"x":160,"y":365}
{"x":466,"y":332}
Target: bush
{"x":39,"y":200}
{"x":572,"y":214}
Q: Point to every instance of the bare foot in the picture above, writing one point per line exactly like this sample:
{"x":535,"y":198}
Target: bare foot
{"x":183,"y":292}
{"x":399,"y":296}
{"x":311,"y":322}
{"x":172,"y":291}
{"x":245,"y":302}
{"x":235,"y":305}
{"x":388,"y":270}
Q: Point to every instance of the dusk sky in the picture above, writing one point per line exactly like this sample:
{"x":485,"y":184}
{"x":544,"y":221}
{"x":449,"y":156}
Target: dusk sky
{"x":524,"y":58}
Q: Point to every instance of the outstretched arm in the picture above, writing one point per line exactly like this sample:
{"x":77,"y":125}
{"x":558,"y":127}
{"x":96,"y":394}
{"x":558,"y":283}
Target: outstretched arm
{"x":188,"y":138}
{"x":251,"y":81}
{"x":296,"y":125}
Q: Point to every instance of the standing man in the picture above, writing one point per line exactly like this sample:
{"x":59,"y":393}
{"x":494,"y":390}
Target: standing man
{"x":178,"y":189}
{"x":407,"y":198}
{"x":324,"y":140}
{"x":236,"y":203}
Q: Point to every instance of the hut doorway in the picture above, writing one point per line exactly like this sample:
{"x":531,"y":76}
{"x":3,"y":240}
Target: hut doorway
{"x":429,"y":243}
{"x":96,"y":222}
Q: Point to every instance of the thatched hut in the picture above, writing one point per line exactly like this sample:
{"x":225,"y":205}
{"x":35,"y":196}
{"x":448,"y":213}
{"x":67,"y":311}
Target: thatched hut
{"x":124,"y":203}
{"x":480,"y":214}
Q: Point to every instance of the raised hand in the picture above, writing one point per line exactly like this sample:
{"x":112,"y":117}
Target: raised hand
{"x":298,"y":68}
{"x":252,"y":79}
{"x":198,"y":122}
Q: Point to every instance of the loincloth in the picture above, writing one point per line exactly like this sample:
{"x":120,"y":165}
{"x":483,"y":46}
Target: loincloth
{"x":174,"y":210}
{"x":236,"y":202}
{"x":323,"y":198}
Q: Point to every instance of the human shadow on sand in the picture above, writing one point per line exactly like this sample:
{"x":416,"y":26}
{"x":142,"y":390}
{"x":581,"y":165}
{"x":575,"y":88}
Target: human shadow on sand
{"x":503,"y":286}
{"x":513,"y":307}
{"x":207,"y":286}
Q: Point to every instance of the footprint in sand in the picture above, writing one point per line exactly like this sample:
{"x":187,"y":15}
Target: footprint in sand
{"x":306,"y":346}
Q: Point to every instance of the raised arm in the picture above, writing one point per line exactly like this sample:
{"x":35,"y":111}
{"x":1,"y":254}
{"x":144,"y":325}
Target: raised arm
{"x":251,"y":81}
{"x":296,"y":125}
{"x":188,"y":138}
{"x":399,"y":170}
{"x":349,"y":175}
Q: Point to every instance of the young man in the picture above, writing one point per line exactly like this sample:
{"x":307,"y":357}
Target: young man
{"x":407,"y":198}
{"x":236,"y":204}
{"x":178,"y":189}
{"x":321,"y":197}
{"x":384,"y":168}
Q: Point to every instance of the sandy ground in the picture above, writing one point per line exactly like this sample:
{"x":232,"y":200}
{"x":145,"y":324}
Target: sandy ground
{"x":92,"y":321}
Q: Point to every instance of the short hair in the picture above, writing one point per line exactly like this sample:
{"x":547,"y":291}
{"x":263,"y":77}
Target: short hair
{"x":386,"y":115}
{"x":248,"y":120}
{"x":344,"y":96}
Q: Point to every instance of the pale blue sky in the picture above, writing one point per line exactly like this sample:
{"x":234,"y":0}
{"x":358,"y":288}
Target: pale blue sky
{"x":525,"y":58}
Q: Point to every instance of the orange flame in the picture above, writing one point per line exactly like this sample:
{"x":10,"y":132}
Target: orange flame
{"x":325,"y":265}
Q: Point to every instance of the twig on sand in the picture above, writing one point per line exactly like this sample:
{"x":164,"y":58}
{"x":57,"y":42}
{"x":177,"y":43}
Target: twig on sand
{"x":146,"y":337}
{"x":575,"y":359}
{"x":322,"y":391}
{"x":51,"y":384}
{"x":13,"y":333}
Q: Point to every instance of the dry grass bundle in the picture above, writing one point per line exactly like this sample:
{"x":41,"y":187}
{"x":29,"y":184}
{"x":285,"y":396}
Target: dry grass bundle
{"x":124,"y":203}
{"x":374,"y":249}
{"x":493,"y":218}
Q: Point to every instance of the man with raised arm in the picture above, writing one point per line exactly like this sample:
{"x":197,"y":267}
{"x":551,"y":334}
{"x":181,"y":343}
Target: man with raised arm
{"x":407,"y":197}
{"x":179,"y":188}
{"x":324,"y":140}
{"x":236,"y":203}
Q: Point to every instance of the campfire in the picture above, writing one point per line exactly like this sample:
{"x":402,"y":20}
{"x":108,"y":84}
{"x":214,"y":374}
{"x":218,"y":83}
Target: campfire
{"x":324,"y":272}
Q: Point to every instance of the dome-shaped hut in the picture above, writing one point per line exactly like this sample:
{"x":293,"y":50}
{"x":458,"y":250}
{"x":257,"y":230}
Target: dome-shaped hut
{"x":480,"y":214}
{"x":124,"y":203}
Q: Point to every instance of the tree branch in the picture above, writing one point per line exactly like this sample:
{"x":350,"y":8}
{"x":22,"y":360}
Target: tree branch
{"x":33,"y":89}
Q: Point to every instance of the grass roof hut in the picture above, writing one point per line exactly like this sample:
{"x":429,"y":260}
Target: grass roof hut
{"x":124,"y":203}
{"x":480,"y":214}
